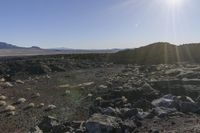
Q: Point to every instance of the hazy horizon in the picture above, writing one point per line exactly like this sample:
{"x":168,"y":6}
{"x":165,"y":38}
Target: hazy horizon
{"x":98,"y":24}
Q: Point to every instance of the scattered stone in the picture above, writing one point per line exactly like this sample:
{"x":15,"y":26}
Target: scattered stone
{"x":50,"y":107}
{"x":8,"y":84}
{"x":41,"y":105}
{"x":89,"y":95}
{"x":10,"y":108}
{"x":80,"y":131}
{"x":186,"y":107}
{"x":128,"y":126}
{"x":98,"y":99}
{"x":28,"y":89}
{"x":11,"y":113}
{"x":181,"y":103}
{"x":162,"y":111}
{"x":124,"y":99}
{"x":143,"y":104}
{"x":21,"y":100}
{"x":166,"y":101}
{"x":30,"y":105}
{"x":138,"y":123}
{"x":87,"y":84}
{"x":48,"y":123}
{"x":48,"y":77}
{"x":130,"y":113}
{"x":110,"y":111}
{"x":2,"y":103}
{"x":67,"y":92}
{"x":2,"y":97}
{"x":35,"y":130}
{"x":2,"y":80}
{"x":36,"y":95}
{"x":64,"y":86}
{"x":147,"y":89}
{"x":185,"y":99}
{"x":20,"y":81}
{"x":103,"y":86}
{"x":133,"y":96}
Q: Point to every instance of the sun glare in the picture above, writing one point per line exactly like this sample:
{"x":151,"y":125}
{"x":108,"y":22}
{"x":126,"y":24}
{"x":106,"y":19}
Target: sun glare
{"x":174,"y":2}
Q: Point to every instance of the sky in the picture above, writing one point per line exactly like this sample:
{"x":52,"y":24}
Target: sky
{"x":98,"y":24}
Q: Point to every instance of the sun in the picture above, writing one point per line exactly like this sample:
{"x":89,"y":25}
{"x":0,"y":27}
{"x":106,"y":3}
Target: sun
{"x":174,"y":2}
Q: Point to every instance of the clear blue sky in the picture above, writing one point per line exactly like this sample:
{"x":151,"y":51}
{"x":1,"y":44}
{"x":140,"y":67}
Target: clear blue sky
{"x":98,"y":23}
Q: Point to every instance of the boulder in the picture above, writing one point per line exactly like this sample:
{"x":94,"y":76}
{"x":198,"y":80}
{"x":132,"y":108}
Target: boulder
{"x":130,"y":113}
{"x":143,"y":104}
{"x":186,"y":107}
{"x":2,"y":103}
{"x":99,"y":123}
{"x":146,"y":88}
{"x":162,"y":111}
{"x":166,"y":101}
{"x":35,"y":130}
{"x":148,"y":92}
{"x":48,"y":123}
{"x":111,"y":111}
{"x":128,"y":126}
{"x":183,"y":104}
{"x":185,"y":99}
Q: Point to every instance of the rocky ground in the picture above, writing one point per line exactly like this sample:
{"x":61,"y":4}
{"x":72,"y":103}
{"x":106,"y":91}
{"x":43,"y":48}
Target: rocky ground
{"x":98,"y":97}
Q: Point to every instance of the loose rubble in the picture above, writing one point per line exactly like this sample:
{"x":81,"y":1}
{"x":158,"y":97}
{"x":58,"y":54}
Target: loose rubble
{"x":134,"y":96}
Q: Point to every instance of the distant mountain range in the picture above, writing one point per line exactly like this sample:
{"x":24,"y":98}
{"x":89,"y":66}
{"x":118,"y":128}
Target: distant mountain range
{"x":156,"y":53}
{"x":159,"y":53}
{"x":4,"y":45}
{"x":14,"y":50}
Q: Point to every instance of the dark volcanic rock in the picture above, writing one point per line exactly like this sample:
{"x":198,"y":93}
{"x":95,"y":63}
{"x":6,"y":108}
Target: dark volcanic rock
{"x":103,"y":124}
{"x":128,"y":126}
{"x":188,"y":87}
{"x":130,"y":113}
{"x":181,"y":103}
{"x":48,"y":123}
{"x":35,"y":130}
{"x":143,"y":104}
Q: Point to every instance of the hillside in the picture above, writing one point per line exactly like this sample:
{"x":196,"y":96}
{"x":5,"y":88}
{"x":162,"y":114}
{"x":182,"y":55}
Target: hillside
{"x":159,"y":53}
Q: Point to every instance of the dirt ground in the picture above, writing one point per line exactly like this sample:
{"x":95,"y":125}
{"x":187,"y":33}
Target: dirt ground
{"x":73,"y":107}
{"x":72,"y":86}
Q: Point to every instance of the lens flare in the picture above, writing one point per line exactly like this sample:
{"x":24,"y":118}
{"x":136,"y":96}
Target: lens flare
{"x":174,"y":2}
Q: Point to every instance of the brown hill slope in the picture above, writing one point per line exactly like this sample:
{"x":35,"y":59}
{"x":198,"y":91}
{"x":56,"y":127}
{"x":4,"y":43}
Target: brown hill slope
{"x":159,"y":53}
